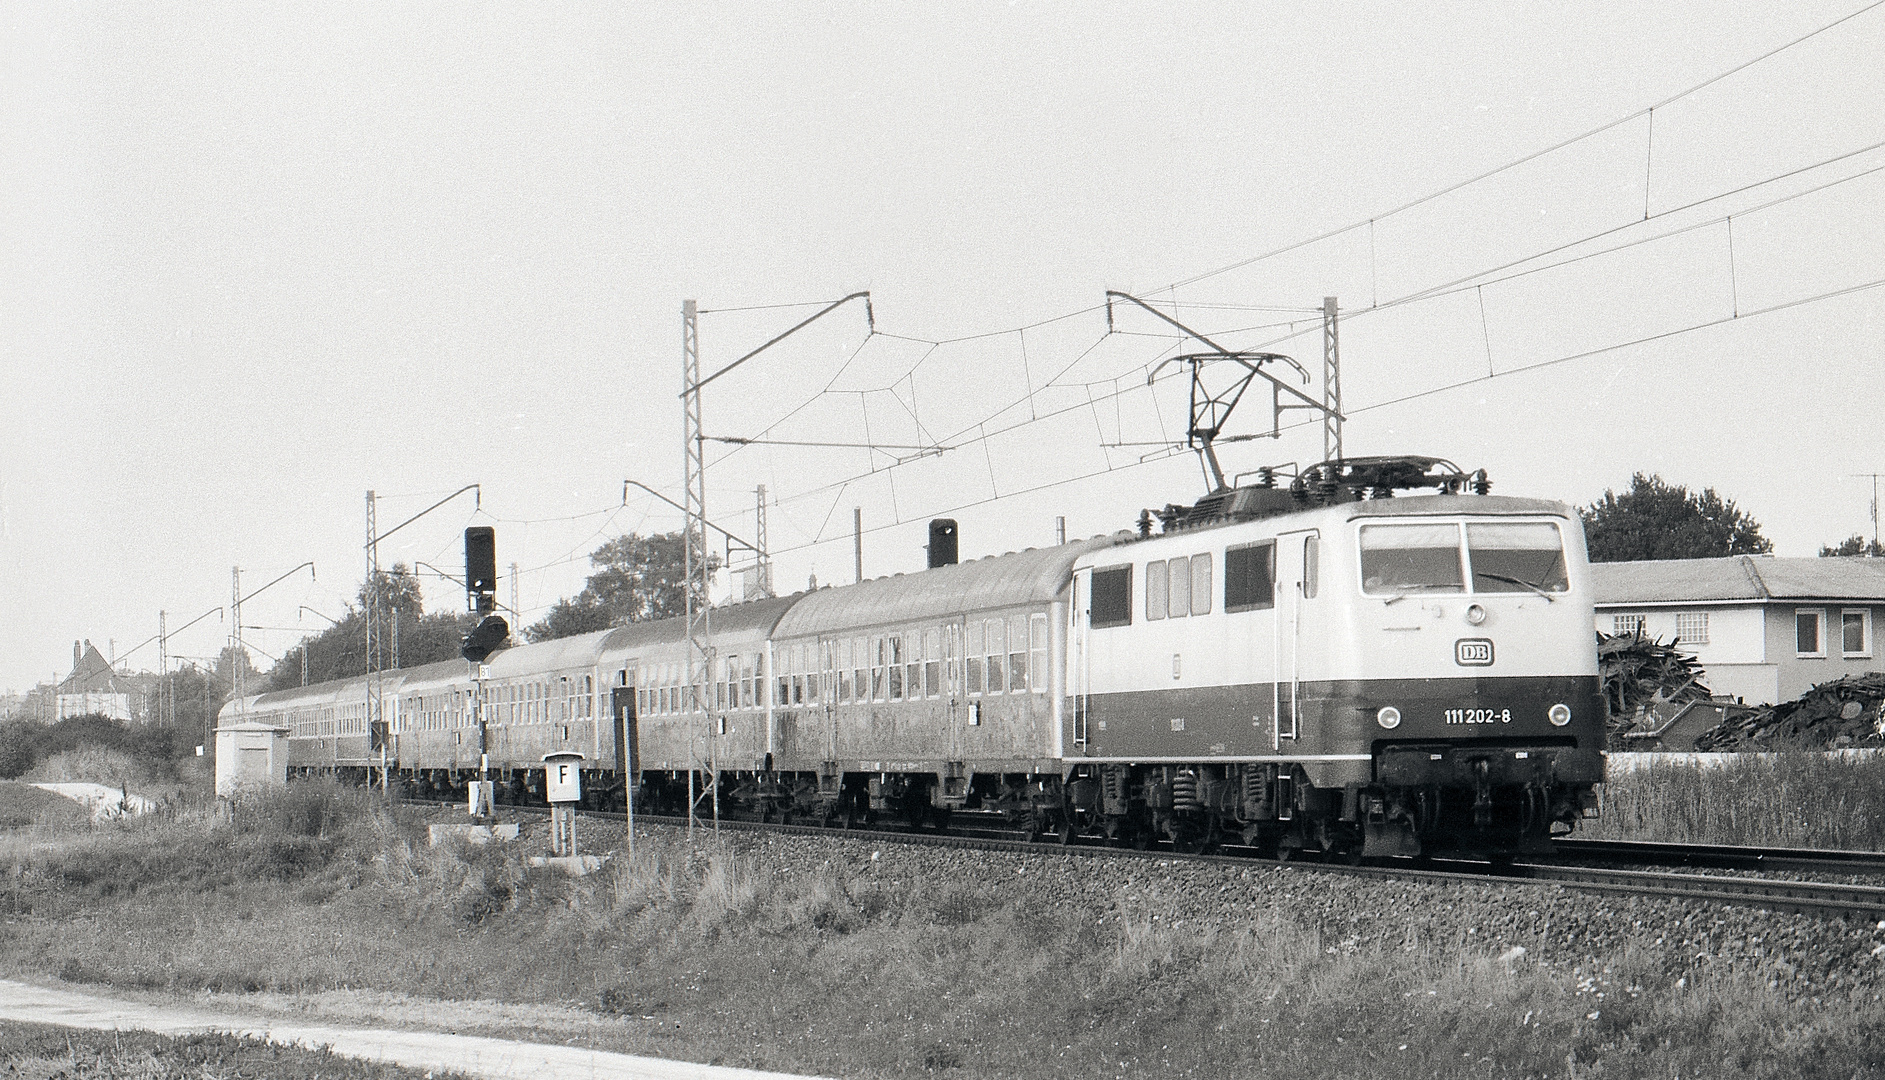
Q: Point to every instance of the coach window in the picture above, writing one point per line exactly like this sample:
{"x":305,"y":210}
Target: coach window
{"x":860,"y":668}
{"x":893,"y":645}
{"x":1855,"y":633}
{"x":975,"y":656}
{"x":996,"y":635}
{"x":1018,"y":654}
{"x":1250,"y":576}
{"x":880,"y":681}
{"x":1155,"y":582}
{"x":1201,"y":584}
{"x":913,"y":665}
{"x":932,"y":661}
{"x":1410,"y":558}
{"x":782,"y":682}
{"x":1311,"y":567}
{"x":1037,"y":651}
{"x":1809,"y":638}
{"x":1111,"y":600}
{"x":1179,"y":595}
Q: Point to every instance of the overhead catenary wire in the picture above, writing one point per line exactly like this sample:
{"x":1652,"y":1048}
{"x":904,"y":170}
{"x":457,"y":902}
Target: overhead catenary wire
{"x":1524,"y":158}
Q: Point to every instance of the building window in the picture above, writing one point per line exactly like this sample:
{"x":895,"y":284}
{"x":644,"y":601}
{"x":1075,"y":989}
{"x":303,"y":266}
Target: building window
{"x":1809,"y":638}
{"x":1692,"y":627}
{"x":1626,"y":624}
{"x":1855,"y":632}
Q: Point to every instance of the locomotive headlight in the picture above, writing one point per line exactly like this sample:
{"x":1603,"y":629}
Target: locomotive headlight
{"x":1559,"y":715}
{"x":1390,"y":717}
{"x":1475,"y":614}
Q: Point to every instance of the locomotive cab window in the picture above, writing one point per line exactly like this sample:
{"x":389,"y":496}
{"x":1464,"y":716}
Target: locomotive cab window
{"x":1516,"y":556}
{"x":1250,"y":577}
{"x":1411,"y":558}
{"x":1111,"y":602}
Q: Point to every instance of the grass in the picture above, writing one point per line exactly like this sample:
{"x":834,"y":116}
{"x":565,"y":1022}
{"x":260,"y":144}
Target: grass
{"x":44,"y":1052}
{"x":23,"y":806}
{"x":1798,"y":799}
{"x":721,"y":953}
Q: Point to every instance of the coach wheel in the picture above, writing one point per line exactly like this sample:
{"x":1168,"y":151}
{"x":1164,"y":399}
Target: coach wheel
{"x":1066,"y":831}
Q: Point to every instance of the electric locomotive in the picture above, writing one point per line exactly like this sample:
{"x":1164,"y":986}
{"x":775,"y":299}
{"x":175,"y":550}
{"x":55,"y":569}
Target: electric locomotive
{"x":1325,"y":665}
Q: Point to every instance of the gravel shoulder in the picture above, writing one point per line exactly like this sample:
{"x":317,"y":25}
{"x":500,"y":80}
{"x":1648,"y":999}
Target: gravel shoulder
{"x":470,"y":1054}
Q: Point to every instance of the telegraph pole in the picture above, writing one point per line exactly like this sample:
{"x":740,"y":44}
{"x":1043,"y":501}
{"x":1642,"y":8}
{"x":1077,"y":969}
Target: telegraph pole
{"x":163,"y":672}
{"x":1874,"y":477}
{"x":764,"y":568}
{"x":699,"y":643}
{"x":376,"y":738}
{"x":699,"y":658}
{"x":235,"y":638}
{"x":514,"y":614}
{"x":1331,"y":383}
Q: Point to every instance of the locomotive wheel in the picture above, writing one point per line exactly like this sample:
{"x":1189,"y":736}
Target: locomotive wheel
{"x":1066,"y":831}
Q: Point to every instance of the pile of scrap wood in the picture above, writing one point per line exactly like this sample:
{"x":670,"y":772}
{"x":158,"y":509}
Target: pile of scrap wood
{"x":1643,"y":677}
{"x":1844,"y":712}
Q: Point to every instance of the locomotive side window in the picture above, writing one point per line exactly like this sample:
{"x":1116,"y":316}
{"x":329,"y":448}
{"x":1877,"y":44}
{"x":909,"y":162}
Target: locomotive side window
{"x":1403,"y":558}
{"x":1201,"y":584}
{"x":1517,"y":556}
{"x":1311,"y":567}
{"x":1180,"y":593}
{"x":1112,"y":597}
{"x":1250,"y":576}
{"x":1155,"y":582}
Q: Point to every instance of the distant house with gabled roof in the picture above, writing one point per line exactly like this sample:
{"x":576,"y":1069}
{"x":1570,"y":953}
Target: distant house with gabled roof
{"x":1765,"y":629}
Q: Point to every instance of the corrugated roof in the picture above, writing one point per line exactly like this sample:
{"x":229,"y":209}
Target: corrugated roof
{"x":1737,"y":577}
{"x":1032,"y":577}
{"x":753,"y":615}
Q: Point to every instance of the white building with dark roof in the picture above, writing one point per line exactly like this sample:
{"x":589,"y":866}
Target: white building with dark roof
{"x":1766,"y":629}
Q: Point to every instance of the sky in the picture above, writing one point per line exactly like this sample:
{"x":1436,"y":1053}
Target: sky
{"x":263,"y":259}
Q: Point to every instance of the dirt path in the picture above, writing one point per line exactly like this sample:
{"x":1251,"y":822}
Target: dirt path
{"x":469,"y":1054}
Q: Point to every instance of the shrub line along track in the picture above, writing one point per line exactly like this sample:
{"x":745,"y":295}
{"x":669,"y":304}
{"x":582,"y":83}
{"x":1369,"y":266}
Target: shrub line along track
{"x":1804,"y":897}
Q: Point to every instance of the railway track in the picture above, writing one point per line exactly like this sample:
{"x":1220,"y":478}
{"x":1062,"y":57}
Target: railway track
{"x":1725,"y":857}
{"x":1806,"y":897}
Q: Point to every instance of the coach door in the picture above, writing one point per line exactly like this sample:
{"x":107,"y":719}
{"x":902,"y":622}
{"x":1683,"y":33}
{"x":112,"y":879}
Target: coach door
{"x":1296,"y":583}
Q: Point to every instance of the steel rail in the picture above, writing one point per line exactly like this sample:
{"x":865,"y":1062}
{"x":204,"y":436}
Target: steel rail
{"x":1726,"y":857}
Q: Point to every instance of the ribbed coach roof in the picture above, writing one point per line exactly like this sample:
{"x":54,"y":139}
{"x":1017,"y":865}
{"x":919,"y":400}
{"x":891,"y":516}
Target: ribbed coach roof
{"x":753,"y":616}
{"x":1032,"y":577}
{"x":576,"y":651}
{"x":1737,"y":577}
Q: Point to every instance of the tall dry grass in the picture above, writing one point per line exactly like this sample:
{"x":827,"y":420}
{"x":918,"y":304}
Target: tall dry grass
{"x":710,"y":951}
{"x":1800,"y":799}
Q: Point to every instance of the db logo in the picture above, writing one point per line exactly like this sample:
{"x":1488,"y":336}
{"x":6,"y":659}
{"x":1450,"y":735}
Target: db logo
{"x":1473,"y":652}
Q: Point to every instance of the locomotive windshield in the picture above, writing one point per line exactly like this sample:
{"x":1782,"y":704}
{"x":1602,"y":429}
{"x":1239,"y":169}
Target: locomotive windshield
{"x":1504,"y":557}
{"x":1516,"y":557}
{"x":1411,"y":558}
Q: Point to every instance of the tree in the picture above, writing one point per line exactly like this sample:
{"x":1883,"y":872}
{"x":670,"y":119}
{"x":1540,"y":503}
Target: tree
{"x":340,"y":651}
{"x":637,"y":578}
{"x":1657,"y":520}
{"x":1853,"y":545}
